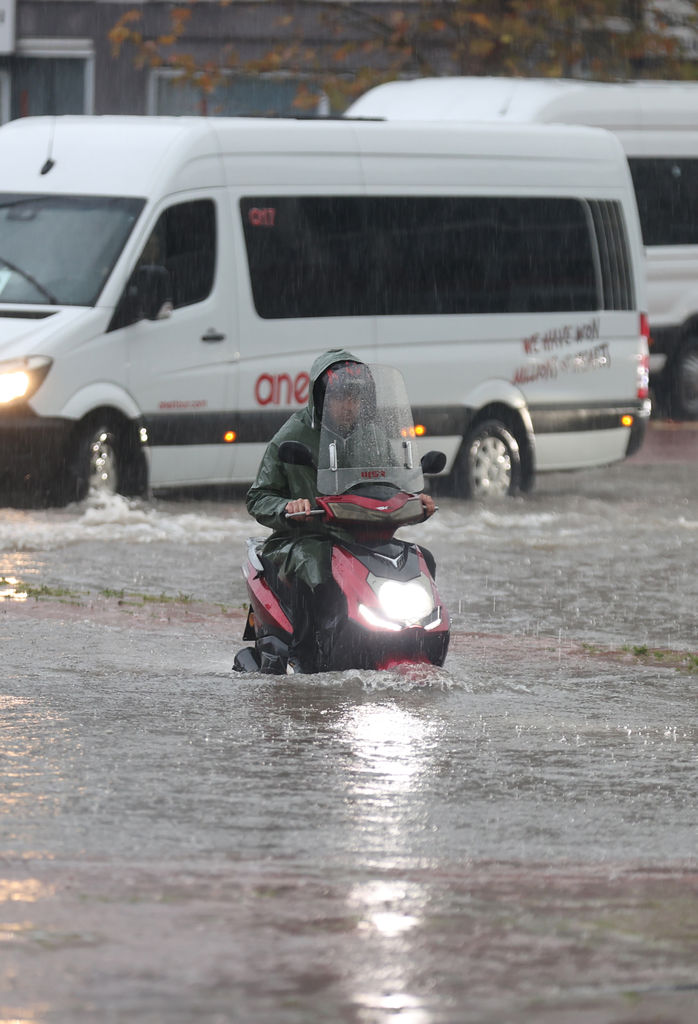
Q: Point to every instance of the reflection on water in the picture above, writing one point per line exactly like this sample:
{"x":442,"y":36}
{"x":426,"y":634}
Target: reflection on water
{"x":26,"y":890}
{"x":399,"y":1007}
{"x":381,"y":903}
{"x":389,"y":743}
{"x":390,"y":748}
{"x":26,"y":1016}
{"x":12,"y":589}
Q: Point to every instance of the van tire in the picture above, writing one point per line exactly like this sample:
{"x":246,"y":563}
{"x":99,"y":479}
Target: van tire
{"x":105,"y":459}
{"x":684,"y":397}
{"x":489,"y":464}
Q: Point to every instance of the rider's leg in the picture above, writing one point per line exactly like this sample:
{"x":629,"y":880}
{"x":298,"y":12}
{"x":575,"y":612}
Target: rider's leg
{"x":301,"y":652}
{"x":314,"y":615}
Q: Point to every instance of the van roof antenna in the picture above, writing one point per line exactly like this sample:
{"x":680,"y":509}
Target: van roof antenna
{"x":50,"y":162}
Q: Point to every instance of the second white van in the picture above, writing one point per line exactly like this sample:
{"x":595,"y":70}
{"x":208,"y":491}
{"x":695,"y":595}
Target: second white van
{"x":657,"y":124}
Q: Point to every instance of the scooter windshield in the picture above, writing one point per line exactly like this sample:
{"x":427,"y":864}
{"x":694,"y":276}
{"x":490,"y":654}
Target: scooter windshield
{"x":366,"y":431}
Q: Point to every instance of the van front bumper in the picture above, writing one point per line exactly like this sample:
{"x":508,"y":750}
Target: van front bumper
{"x":32,"y":446}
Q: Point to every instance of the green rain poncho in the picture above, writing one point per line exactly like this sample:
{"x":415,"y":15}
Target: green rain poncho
{"x":297,"y":548}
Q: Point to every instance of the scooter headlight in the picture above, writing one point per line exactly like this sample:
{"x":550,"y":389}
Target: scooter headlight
{"x":20,"y":378}
{"x":407,"y":603}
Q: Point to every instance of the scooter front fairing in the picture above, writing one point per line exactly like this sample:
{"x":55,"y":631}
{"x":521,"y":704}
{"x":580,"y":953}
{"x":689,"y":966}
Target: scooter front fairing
{"x":393,"y":609}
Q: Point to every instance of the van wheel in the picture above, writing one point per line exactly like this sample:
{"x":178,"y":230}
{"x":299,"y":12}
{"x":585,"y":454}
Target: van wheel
{"x":489,"y":463}
{"x":105,"y":460}
{"x":684,"y":403}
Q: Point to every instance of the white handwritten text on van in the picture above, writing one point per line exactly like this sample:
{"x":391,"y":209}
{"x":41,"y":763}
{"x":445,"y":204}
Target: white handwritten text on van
{"x":598,"y":357}
{"x":559,"y":337}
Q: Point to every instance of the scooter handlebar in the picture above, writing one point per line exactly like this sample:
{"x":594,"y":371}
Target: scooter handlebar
{"x":322,"y":512}
{"x":302,"y":515}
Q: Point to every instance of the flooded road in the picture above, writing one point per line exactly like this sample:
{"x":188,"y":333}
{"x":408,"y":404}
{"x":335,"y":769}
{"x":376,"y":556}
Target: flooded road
{"x":511,"y":838}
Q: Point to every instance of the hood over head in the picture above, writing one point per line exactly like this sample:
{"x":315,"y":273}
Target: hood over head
{"x":317,"y":371}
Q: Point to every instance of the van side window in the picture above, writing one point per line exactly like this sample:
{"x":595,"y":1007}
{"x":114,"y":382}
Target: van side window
{"x":189,"y":243}
{"x":313,"y":256}
{"x":183,"y":241}
{"x":614,"y":254}
{"x":667,"y":199}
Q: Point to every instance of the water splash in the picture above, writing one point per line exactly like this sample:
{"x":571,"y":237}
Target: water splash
{"x":115,"y":518}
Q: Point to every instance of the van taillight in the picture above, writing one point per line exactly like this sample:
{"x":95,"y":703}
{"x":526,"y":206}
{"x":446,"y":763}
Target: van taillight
{"x":643,"y":376}
{"x":645,"y":328}
{"x":643,"y":360}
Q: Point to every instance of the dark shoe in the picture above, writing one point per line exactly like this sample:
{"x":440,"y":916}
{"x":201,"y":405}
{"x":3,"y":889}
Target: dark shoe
{"x":272,"y":655}
{"x":246,"y":660}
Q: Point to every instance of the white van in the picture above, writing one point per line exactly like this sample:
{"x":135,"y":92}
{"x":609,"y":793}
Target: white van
{"x":166,"y":282}
{"x":657,"y":124}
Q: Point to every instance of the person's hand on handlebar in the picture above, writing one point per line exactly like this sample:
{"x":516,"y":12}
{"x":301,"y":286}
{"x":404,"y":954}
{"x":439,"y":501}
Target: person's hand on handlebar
{"x":428,"y":505}
{"x":298,"y":506}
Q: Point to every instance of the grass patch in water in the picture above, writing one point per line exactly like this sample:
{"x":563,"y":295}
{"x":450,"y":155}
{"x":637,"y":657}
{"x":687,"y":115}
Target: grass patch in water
{"x":135,"y":598}
{"x":107,"y":600}
{"x":664,"y":657}
{"x":14,"y":590}
{"x":46,"y":591}
{"x":683,"y":661}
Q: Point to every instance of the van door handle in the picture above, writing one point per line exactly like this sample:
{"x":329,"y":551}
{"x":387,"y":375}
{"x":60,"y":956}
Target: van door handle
{"x":213,"y":335}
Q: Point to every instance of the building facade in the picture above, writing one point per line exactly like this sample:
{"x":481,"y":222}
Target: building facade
{"x":57,"y":57}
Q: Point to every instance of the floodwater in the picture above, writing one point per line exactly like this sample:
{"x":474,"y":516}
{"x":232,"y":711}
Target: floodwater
{"x":511,"y":838}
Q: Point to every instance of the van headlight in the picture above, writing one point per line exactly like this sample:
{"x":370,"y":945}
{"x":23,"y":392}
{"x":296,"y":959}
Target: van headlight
{"x":20,"y":378}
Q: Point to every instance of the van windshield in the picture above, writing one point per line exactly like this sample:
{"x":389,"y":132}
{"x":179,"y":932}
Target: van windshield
{"x":59,"y":250}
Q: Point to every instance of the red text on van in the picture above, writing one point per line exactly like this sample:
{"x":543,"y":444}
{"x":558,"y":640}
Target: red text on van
{"x":262,"y":216}
{"x":281,"y":389}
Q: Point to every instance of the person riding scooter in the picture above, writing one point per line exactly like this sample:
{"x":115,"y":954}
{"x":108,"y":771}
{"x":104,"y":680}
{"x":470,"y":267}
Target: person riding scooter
{"x":298,"y":552}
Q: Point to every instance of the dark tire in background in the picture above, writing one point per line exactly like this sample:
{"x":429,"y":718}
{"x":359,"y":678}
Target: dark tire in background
{"x":684,"y":382}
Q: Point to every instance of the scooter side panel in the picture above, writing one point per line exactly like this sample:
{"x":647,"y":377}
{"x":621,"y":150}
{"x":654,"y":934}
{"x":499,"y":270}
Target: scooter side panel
{"x":268,"y":610}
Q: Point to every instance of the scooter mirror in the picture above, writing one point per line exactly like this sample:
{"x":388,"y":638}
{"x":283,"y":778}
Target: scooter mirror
{"x":433,"y":462}
{"x":295,"y":453}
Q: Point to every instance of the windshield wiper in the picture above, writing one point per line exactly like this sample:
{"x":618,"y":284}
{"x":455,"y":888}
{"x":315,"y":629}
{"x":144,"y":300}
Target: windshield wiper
{"x":32,"y":280}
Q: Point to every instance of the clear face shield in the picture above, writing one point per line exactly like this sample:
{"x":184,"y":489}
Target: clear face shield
{"x":366,"y":431}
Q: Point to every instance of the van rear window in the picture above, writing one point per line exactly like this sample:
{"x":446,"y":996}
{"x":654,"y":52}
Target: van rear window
{"x":316,"y":256}
{"x":667,"y":199}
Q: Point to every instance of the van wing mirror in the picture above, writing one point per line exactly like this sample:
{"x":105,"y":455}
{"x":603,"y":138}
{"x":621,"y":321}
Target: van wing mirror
{"x":295,"y":453}
{"x":151,"y":292}
{"x":433,"y":462}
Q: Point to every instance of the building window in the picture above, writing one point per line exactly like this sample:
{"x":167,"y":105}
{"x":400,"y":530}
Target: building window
{"x":251,"y":95}
{"x":43,"y":86}
{"x":49,"y":76}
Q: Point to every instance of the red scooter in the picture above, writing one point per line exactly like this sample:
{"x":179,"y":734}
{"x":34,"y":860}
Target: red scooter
{"x":390,"y":610}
